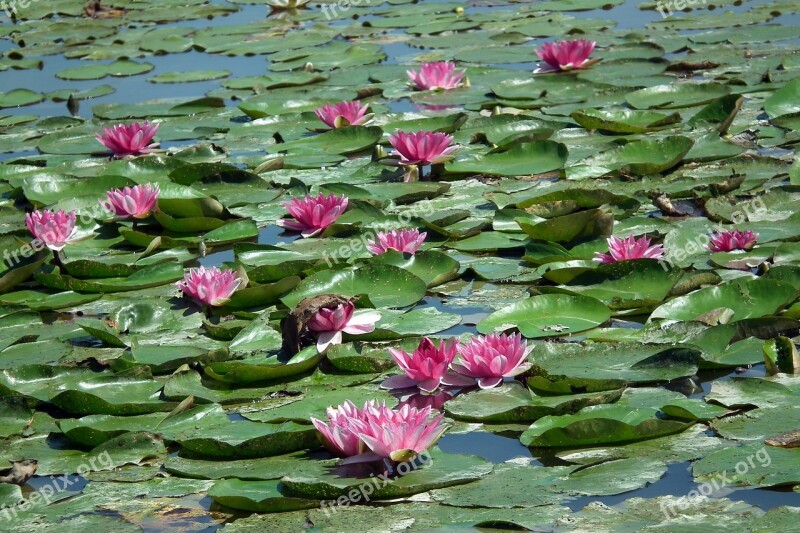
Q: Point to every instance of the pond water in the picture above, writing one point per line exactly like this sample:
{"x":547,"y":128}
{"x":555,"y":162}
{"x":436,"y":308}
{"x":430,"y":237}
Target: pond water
{"x":473,"y":295}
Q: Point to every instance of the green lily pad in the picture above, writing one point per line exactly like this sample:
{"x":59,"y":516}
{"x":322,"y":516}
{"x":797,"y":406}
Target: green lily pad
{"x":676,"y":95}
{"x":514,"y":403}
{"x":522,"y":159}
{"x":623,"y":120}
{"x":386,"y":285}
{"x":746,"y":298}
{"x":548,"y":315}
{"x":257,"y":496}
{"x":443,"y":470}
{"x":601,"y":424}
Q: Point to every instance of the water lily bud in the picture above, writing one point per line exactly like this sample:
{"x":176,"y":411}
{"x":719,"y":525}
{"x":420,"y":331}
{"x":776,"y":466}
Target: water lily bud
{"x":270,"y":164}
{"x":411,"y":174}
{"x":459,"y":10}
{"x":309,"y":67}
{"x":73,"y":106}
{"x":379,"y":153}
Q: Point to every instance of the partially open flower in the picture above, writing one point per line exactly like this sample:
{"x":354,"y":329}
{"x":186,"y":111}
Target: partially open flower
{"x":406,"y":241}
{"x":629,"y":248}
{"x":330,"y":323}
{"x":54,"y":229}
{"x":426,"y":368}
{"x":566,"y":55}
{"x":490,"y":358}
{"x":209,"y":286}
{"x":313,"y":214}
{"x":133,"y":139}
{"x":337,"y":433}
{"x":343,"y":114}
{"x":727,"y":241}
{"x":440,"y":75}
{"x":137,"y":201}
{"x":398,"y":435}
{"x":377,"y":432}
{"x":423,"y":147}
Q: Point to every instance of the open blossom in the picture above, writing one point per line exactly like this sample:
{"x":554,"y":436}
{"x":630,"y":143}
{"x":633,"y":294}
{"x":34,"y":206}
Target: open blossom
{"x":312,"y":215}
{"x":338,"y":435}
{"x":406,"y":241}
{"x":426,"y":368}
{"x":488,"y":359}
{"x":329,"y":323}
{"x":133,"y":139}
{"x":378,"y":432}
{"x":726,"y":241}
{"x":209,"y":286}
{"x":629,"y":248}
{"x":54,"y":229}
{"x":437,"y":75}
{"x":566,"y":55}
{"x":137,"y":201}
{"x":423,"y":147}
{"x":343,"y":114}
{"x":398,"y":435}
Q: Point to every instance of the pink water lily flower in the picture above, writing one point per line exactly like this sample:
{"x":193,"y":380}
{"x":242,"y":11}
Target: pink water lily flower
{"x":423,"y":147}
{"x":727,"y":241}
{"x":343,"y":114}
{"x":490,"y":358}
{"x":629,"y":248}
{"x":133,"y":139}
{"x":209,"y":286}
{"x":425,"y":369}
{"x":137,"y":201}
{"x":440,"y":75}
{"x":406,"y":241}
{"x":329,"y":323}
{"x":398,"y":435}
{"x":54,"y":229}
{"x":312,"y":215}
{"x":566,"y":55}
{"x":338,"y":434}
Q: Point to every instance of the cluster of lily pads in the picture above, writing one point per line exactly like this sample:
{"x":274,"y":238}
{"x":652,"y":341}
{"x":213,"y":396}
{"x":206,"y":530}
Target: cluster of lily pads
{"x":280,"y":286}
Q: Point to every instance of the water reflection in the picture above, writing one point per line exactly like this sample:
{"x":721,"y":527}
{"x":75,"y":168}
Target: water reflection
{"x":494,"y":448}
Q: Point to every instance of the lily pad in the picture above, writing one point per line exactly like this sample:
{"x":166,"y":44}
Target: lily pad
{"x":548,"y":315}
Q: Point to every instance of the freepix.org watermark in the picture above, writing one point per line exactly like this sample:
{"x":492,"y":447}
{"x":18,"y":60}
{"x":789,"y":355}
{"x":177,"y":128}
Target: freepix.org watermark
{"x":329,"y":10}
{"x":666,"y":7}
{"x":44,"y":494}
{"x":10,"y":6}
{"x":743,"y":213}
{"x":363,"y":492}
{"x":354,"y":246}
{"x":760,"y":459}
